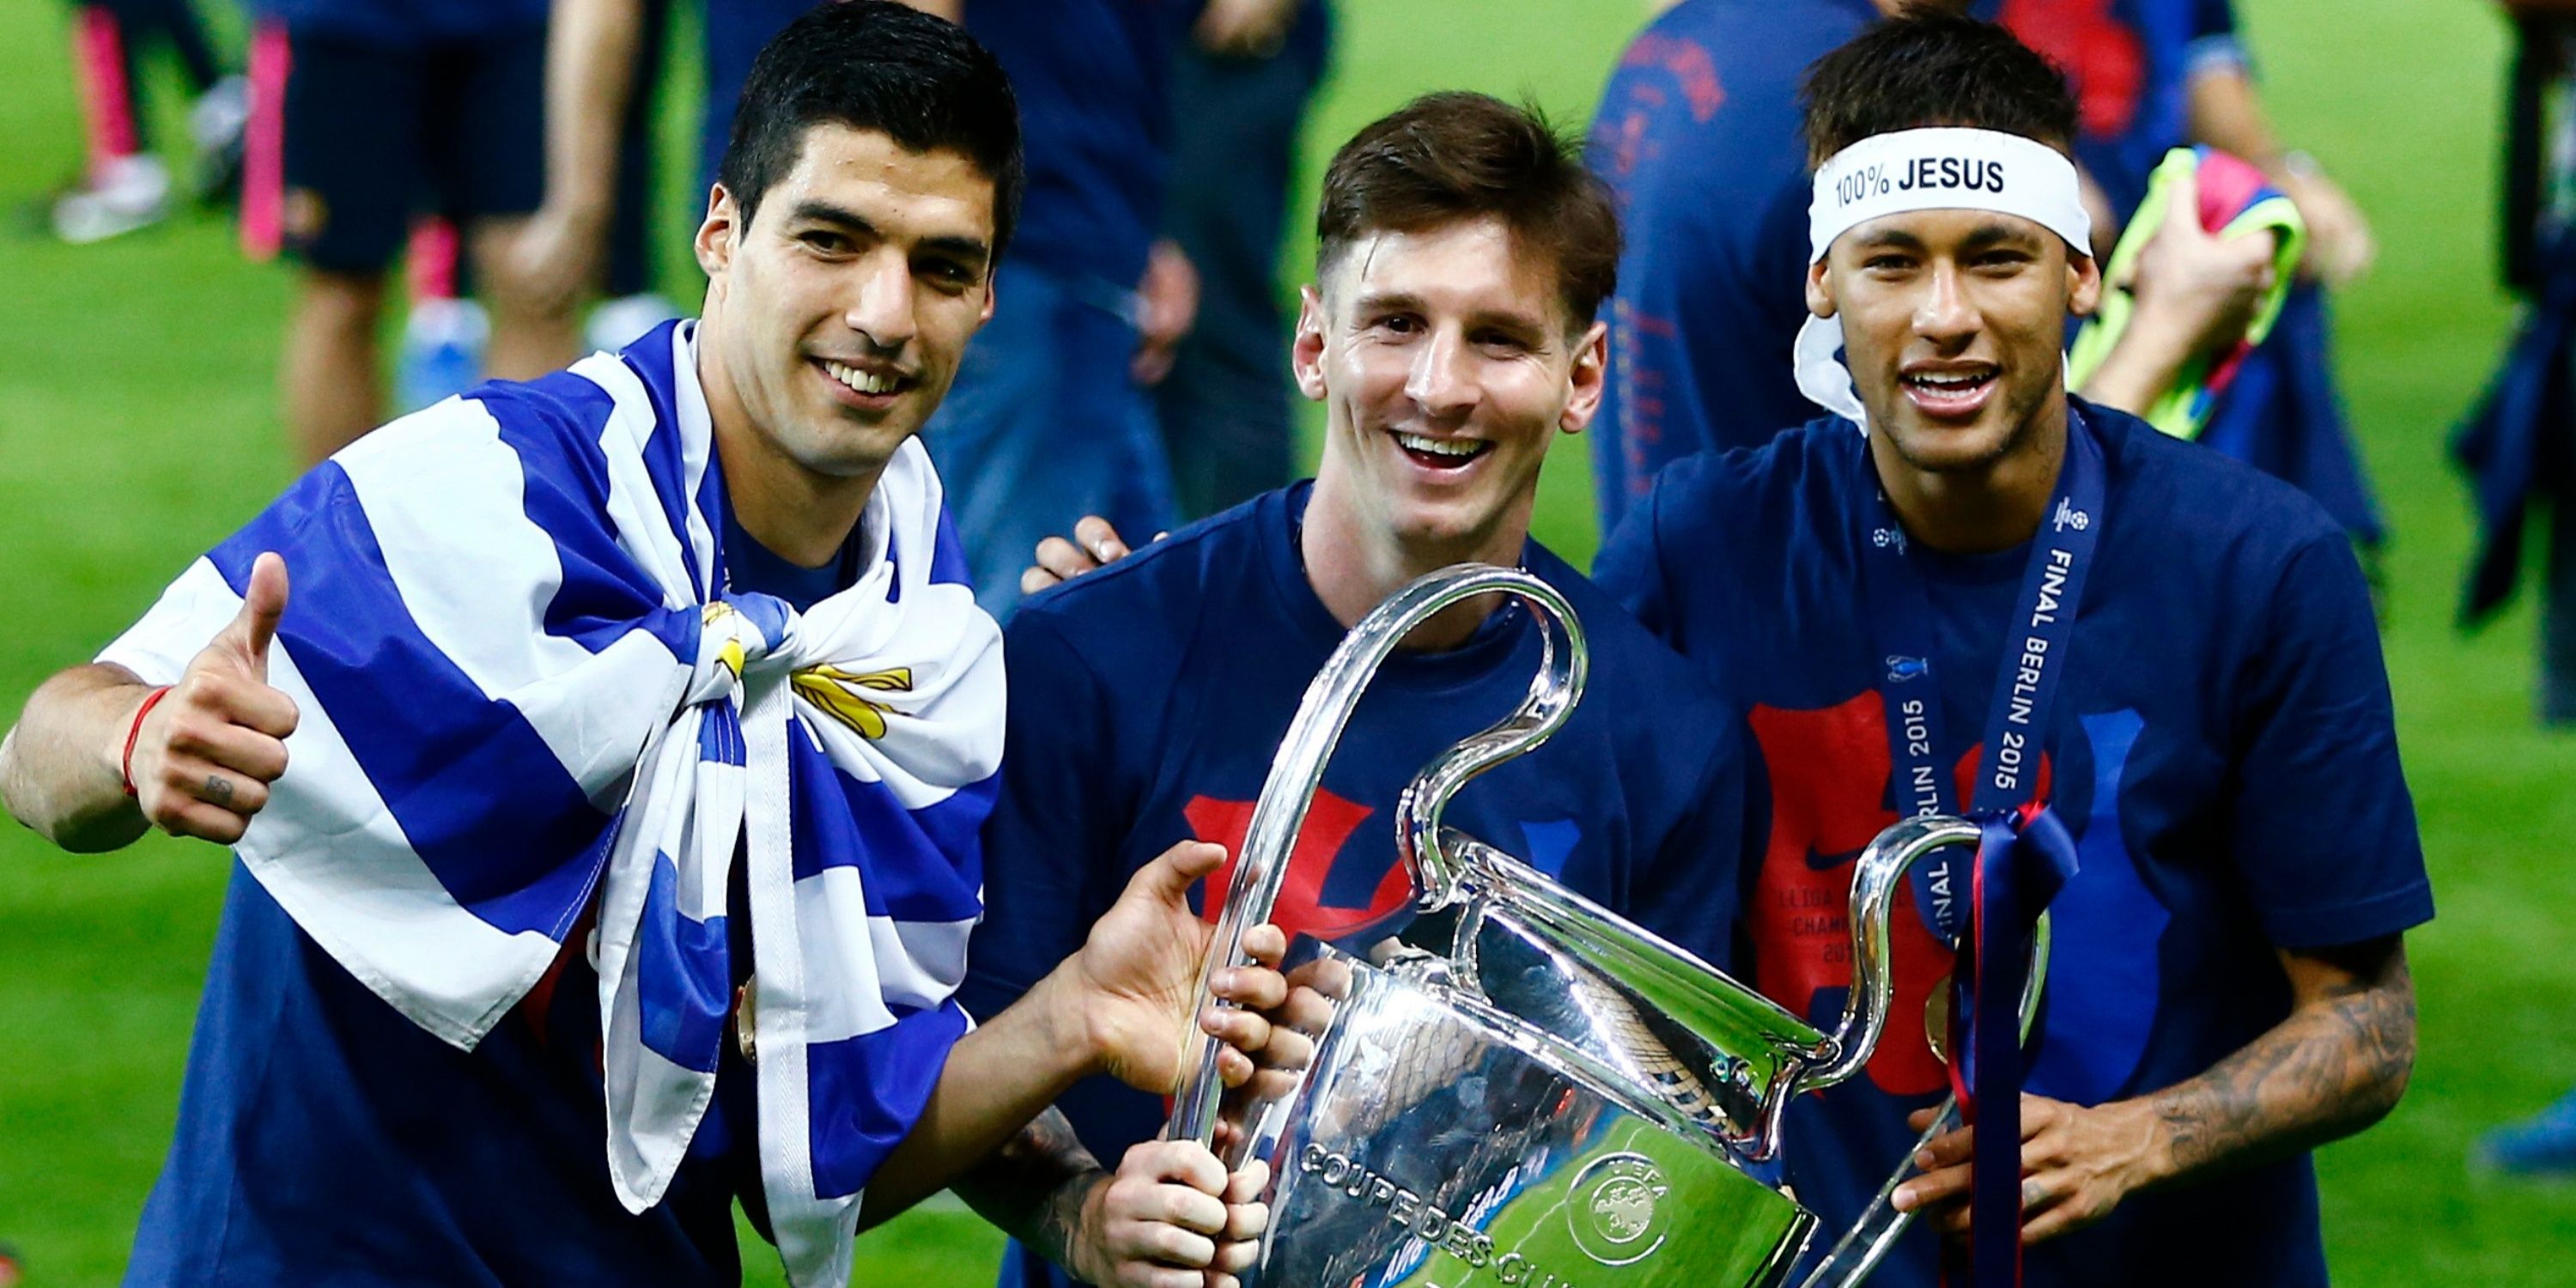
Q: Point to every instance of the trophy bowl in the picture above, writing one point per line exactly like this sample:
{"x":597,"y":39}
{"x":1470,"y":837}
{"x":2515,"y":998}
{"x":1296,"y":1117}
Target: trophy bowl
{"x":1439,"y":1140}
{"x":1523,"y":1087}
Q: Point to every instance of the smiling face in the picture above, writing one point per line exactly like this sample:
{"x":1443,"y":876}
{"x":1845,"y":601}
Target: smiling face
{"x":836,"y":314}
{"x":1445,"y":362}
{"x":1954,"y":323}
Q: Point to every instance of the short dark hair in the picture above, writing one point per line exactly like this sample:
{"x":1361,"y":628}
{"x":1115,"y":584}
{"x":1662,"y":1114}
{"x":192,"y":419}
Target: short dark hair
{"x":1929,"y":69}
{"x":1455,"y":155}
{"x":875,"y":65}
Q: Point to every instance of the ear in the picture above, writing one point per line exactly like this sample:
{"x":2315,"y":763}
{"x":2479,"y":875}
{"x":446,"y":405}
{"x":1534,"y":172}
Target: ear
{"x":719,"y":235}
{"x":992,"y":289}
{"x":1306,"y":349}
{"x":1820,"y":288}
{"x":2083,"y":285}
{"x":1589,"y":375}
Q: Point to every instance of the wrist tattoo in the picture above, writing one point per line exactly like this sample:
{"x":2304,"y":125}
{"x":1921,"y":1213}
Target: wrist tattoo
{"x":1033,"y":1187}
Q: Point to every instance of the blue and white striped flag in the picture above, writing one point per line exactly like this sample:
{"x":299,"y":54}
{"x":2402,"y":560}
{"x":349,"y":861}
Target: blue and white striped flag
{"x":522,"y":681}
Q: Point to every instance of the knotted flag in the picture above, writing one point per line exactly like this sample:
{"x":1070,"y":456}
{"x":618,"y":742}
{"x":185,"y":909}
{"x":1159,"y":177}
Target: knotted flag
{"x":523,"y":681}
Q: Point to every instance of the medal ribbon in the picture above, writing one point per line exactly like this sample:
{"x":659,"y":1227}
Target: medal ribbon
{"x":2025,"y":856}
{"x":1900,"y":614}
{"x":2023,"y":860}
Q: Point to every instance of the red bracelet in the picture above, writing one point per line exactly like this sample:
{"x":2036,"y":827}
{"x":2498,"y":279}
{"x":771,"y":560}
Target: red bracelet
{"x":125,"y":766}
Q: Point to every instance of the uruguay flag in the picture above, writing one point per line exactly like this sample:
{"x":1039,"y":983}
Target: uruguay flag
{"x":523,"y":683}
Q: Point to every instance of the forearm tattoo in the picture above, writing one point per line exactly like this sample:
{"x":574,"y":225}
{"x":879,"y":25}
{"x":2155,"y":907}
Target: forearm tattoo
{"x":2336,"y":1065}
{"x":1034,"y":1186}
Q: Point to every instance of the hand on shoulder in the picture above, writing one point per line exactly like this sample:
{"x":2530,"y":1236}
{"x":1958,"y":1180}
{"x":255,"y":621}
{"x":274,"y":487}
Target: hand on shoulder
{"x":1094,"y":545}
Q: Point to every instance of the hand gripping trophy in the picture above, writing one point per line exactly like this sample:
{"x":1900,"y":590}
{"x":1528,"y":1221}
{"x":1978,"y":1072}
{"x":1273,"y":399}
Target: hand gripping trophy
{"x":1525,"y":1088}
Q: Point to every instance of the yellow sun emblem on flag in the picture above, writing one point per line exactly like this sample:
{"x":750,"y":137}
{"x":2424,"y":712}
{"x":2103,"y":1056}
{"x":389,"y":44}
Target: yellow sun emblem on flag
{"x":731,"y":653}
{"x":841,"y":695}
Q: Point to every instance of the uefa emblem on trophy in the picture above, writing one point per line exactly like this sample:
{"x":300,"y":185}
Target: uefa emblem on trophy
{"x":1522,"y":1087}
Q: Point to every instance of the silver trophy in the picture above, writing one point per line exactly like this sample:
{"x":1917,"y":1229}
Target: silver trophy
{"x":1525,"y":1088}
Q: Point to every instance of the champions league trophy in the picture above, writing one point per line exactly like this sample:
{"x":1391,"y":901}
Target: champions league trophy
{"x":1524,"y":1088}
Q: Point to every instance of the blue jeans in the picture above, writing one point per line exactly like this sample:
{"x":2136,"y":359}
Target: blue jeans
{"x":1044,"y":426}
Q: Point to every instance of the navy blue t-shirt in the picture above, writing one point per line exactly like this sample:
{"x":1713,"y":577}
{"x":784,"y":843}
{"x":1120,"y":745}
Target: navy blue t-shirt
{"x":1093,"y":79}
{"x":324,"y":1138}
{"x":2222,"y":748}
{"x":1698,"y":133}
{"x":1148,"y":699}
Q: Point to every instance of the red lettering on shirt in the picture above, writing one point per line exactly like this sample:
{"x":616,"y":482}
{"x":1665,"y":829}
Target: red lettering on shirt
{"x":1688,"y":64}
{"x":1628,"y":139}
{"x":1330,"y":822}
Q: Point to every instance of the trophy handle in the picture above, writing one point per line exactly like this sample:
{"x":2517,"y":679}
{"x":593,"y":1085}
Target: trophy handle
{"x":1564,"y":663}
{"x":1868,"y":1242}
{"x":1878,"y":880}
{"x":1298,"y":769}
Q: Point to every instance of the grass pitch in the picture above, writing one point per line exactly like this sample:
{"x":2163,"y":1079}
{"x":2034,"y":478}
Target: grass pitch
{"x":138,"y":425}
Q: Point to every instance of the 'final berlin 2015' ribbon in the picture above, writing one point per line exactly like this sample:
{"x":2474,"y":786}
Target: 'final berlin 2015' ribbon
{"x":2023,"y":860}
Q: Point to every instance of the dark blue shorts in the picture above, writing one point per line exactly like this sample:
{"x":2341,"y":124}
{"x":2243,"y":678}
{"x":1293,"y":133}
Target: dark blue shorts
{"x":373,"y":136}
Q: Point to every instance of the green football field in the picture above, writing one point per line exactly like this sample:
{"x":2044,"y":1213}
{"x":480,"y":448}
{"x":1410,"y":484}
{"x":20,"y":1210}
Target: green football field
{"x":138,"y":425}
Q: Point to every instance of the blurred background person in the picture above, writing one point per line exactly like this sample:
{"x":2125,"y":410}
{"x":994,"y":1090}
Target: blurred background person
{"x":2197,"y":281}
{"x":1047,"y":421}
{"x":632,"y":302}
{"x":2153,"y":75}
{"x":1240,"y":93}
{"x":1697,"y":132}
{"x":370,"y":113}
{"x":445,"y":331}
{"x":124,"y":185}
{"x":2514,"y":444}
{"x":591,"y":233}
{"x":2541,"y":1147}
{"x":602,"y":165}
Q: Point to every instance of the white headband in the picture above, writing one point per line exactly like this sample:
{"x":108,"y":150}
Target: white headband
{"x":1930,"y":169}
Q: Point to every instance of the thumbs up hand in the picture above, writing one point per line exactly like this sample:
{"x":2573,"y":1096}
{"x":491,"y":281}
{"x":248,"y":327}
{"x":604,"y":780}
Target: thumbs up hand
{"x":205,"y":754}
